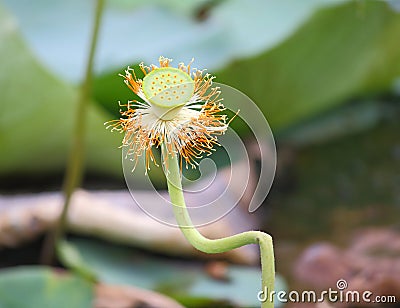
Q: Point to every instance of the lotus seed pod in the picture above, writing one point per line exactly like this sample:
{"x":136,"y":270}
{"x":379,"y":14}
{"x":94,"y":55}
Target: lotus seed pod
{"x":168,"y":89}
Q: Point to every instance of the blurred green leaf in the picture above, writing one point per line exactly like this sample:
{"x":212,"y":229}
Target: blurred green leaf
{"x":142,"y":30}
{"x":41,"y":287}
{"x":37,"y":114}
{"x":341,"y":52}
{"x":121,"y":265}
{"x":185,"y":281}
{"x":242,"y":288}
{"x":259,"y":25}
{"x":71,"y":258}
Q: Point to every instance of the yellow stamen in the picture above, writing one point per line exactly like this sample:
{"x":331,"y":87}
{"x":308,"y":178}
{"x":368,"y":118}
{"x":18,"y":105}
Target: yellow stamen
{"x":180,"y":109}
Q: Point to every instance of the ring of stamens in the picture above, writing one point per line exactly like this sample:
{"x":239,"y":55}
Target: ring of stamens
{"x":180,"y":110}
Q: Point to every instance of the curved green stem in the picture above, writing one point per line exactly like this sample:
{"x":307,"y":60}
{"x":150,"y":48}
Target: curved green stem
{"x":224,"y":244}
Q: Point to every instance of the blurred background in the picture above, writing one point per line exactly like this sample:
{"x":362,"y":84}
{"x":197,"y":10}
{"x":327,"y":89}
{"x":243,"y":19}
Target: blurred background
{"x":326,"y":75}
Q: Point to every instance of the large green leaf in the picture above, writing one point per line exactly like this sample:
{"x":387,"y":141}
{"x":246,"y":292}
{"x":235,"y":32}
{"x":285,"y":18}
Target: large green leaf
{"x":41,"y":287}
{"x":186,"y":281}
{"x":341,"y":52}
{"x":37,"y":113}
{"x":142,"y":30}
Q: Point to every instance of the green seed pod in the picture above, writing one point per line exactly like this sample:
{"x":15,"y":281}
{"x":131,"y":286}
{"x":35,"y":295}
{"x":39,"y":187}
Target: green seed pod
{"x":168,"y":89}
